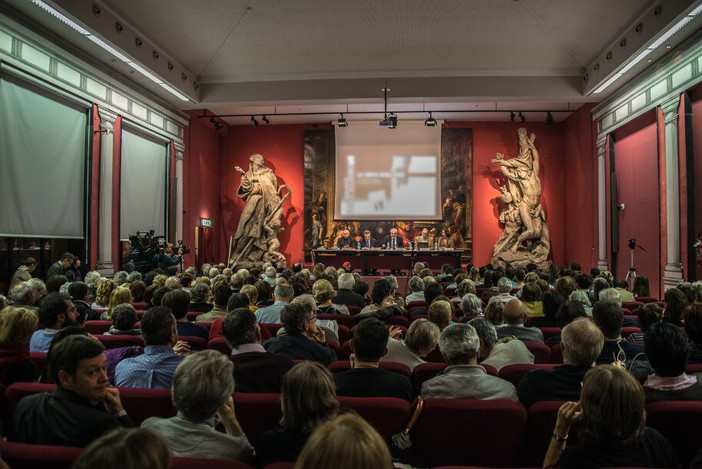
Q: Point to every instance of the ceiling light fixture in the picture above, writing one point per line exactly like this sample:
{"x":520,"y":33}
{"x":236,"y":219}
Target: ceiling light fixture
{"x":389,"y":120}
{"x":342,"y":122}
{"x":549,"y":118}
{"x":255,"y":122}
{"x":431,"y":122}
{"x":511,"y":116}
{"x":217,"y":125}
{"x":108,"y":48}
{"x":522,"y":117}
{"x":265,"y":119}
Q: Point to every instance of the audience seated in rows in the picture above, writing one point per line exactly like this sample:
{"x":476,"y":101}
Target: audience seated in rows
{"x":202,"y":389}
{"x":219,"y":309}
{"x":283,"y":295}
{"x":693,"y":329}
{"x":515,"y":316}
{"x":323,"y":293}
{"x":675,"y":305}
{"x":382,"y":302}
{"x":648,"y":314}
{"x":499,"y":353}
{"x":416,"y":287}
{"x":255,"y":369}
{"x":464,"y":378}
{"x":421,"y":339}
{"x":345,"y":294}
{"x":78,"y":291}
{"x":303,"y":339}
{"x":178,"y":301}
{"x":581,"y":344}
{"x":504,"y":287}
{"x":16,"y":328}
{"x":200,"y":293}
{"x":56,"y":311}
{"x":124,"y":318}
{"x":365,"y":378}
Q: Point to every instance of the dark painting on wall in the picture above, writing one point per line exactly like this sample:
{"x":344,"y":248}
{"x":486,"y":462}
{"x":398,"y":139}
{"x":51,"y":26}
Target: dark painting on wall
{"x":453,"y":230}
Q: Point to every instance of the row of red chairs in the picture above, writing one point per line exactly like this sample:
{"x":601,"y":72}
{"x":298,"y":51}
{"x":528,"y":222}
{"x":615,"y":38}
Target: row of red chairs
{"x":504,"y":434}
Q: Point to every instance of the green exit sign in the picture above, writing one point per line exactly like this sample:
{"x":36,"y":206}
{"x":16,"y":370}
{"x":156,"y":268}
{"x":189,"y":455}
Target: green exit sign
{"x":206,"y":222}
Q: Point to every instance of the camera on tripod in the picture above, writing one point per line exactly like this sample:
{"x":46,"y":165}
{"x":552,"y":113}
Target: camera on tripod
{"x":181,"y":247}
{"x":632,"y":243}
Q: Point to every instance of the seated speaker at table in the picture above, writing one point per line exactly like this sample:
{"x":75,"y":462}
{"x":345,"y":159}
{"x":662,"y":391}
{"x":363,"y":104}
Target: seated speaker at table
{"x":368,"y":242}
{"x":393,"y":240}
{"x":345,"y":241}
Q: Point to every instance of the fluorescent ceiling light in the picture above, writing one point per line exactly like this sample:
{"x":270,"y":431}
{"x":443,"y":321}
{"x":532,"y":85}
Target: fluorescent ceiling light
{"x":670,"y":32}
{"x":108,"y":48}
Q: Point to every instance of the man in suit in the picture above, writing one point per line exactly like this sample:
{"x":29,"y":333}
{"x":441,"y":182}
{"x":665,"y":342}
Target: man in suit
{"x":393,"y":241}
{"x":424,"y":237}
{"x":515,"y":315}
{"x":345,"y":295}
{"x":345,"y":241}
{"x":59,"y":267}
{"x":368,"y":242}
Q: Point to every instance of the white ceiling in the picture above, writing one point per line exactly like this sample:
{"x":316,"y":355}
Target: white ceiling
{"x":278,"y":56}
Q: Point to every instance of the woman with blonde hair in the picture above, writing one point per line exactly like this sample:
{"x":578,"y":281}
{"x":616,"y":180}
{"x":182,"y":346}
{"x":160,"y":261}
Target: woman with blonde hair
{"x":251,"y":293}
{"x":16,"y":328}
{"x":495,"y":313}
{"x":102,"y":293}
{"x":612,"y":430}
{"x":347,"y":442}
{"x":119,"y":296}
{"x":323,"y":292}
{"x":308,"y":399}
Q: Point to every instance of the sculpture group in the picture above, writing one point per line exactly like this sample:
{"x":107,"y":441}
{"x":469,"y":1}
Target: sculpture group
{"x":525,"y":238}
{"x":256,"y":237}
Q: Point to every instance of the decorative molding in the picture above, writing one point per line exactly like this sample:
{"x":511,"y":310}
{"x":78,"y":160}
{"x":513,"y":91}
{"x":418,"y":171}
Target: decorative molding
{"x":33,"y":54}
{"x":676,"y":72}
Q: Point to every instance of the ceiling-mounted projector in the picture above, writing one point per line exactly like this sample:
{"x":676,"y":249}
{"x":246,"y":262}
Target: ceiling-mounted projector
{"x":389,"y":121}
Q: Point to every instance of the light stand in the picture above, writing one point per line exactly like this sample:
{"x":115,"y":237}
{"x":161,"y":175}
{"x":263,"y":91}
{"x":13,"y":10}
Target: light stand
{"x":631,"y":274}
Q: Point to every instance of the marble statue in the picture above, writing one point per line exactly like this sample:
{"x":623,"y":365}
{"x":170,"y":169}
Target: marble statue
{"x":525,"y":238}
{"x":256,"y":237}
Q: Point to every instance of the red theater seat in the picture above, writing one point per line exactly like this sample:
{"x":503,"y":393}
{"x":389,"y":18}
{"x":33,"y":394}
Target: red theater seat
{"x":513,"y":373}
{"x":141,"y":404}
{"x":556,"y":354}
{"x":114,"y":341}
{"x":542,"y":352}
{"x":257,"y":412}
{"x":97,"y":327}
{"x":25,"y":456}
{"x":199,"y":463}
{"x":340,"y":366}
{"x":439,"y":436}
{"x":388,"y":415}
{"x":218,"y":343}
{"x":341,"y":319}
{"x":424,"y":372}
{"x":196,"y":343}
{"x":17,"y":391}
{"x":678,"y":421}
{"x":541,"y":421}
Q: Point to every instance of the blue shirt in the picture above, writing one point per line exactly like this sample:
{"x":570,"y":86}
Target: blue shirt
{"x":270,"y":314}
{"x":41,"y":340}
{"x":154,"y":369}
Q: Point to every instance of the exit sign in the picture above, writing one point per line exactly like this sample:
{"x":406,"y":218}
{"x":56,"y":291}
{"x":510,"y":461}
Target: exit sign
{"x":206,"y":222}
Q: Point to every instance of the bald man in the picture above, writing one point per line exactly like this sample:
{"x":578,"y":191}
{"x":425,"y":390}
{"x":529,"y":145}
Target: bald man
{"x":515,"y":315}
{"x":345,"y":241}
{"x":581,"y":343}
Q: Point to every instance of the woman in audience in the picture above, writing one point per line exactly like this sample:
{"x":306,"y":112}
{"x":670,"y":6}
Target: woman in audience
{"x":323,"y":293}
{"x":417,"y":290}
{"x":102,"y":293}
{"x":550,"y":301}
{"x":641,"y":287}
{"x":251,"y":293}
{"x":199,"y":398}
{"x":347,"y":442}
{"x":495,"y":313}
{"x":612,"y":426}
{"x":648,"y":314}
{"x":421,"y":339}
{"x":308,"y":399}
{"x":565,"y":286}
{"x":675,"y":305}
{"x":16,"y":328}
{"x":382,"y":302}
{"x":92,"y":279}
{"x":531,"y":297}
{"x":567,"y":312}
{"x":464,"y":287}
{"x":123,"y":319}
{"x":137,"y":288}
{"x":471,"y":305}
{"x":599,"y":284}
{"x":579,"y":296}
{"x":263,"y":289}
{"x":119,"y":296}
{"x":126,"y":448}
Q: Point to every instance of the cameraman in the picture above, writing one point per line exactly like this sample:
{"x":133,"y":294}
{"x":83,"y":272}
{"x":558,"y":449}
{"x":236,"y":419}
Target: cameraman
{"x":166,"y":259}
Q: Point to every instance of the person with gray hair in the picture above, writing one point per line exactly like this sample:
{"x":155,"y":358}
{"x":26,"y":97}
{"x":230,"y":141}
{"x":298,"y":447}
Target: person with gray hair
{"x":200,"y":295}
{"x":213,"y":272}
{"x":270,"y":275}
{"x":504,"y":287}
{"x":22,"y":295}
{"x":416,"y":286}
{"x":345,"y":294}
{"x":199,"y":399}
{"x":283,"y":294}
{"x":92,"y":279}
{"x":610,"y":295}
{"x":393,"y":291}
{"x":120,"y":277}
{"x":581,"y":343}
{"x":134,"y":276}
{"x":464,"y":378}
{"x":38,"y":287}
{"x":421,"y":339}
{"x":499,"y":353}
{"x":471,"y":305}
{"x":173,"y":283}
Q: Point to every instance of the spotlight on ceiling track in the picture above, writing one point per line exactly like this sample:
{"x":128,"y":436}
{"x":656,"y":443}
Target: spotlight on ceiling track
{"x":431,"y":122}
{"x":522,"y":117}
{"x":215,"y":123}
{"x":255,"y":122}
{"x":265,"y":119}
{"x":549,"y":118}
{"x":511,"y":116}
{"x":342,"y":122}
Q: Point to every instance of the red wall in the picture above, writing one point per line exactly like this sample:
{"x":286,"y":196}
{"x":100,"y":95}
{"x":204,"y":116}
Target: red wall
{"x":201,"y":184}
{"x":636,"y":168}
{"x":568,"y":174}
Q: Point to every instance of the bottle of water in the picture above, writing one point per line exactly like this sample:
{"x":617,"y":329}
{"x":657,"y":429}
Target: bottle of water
{"x":359,"y":245}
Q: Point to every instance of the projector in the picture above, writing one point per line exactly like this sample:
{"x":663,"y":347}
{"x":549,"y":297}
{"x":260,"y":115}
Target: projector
{"x":389,"y":122}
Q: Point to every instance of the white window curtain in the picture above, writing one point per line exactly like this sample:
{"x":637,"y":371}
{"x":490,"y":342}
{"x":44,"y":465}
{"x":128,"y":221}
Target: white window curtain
{"x":44,"y":155}
{"x":142,"y":184}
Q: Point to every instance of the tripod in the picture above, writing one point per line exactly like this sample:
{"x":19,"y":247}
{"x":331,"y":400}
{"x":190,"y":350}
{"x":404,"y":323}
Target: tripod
{"x":631,"y":274}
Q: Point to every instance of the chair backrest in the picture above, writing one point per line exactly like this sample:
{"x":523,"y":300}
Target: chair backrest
{"x":280,"y":465}
{"x":435,"y":356}
{"x":257,"y":412}
{"x":438,"y":439}
{"x":397,"y":320}
{"x":16,"y":391}
{"x":341,"y":319}
{"x":218,"y":343}
{"x":39,"y":358}
{"x":416,"y":303}
{"x":141,"y":403}
{"x":678,"y":422}
{"x":646,"y":299}
{"x":112,"y":341}
{"x":549,"y":332}
{"x":632,"y":305}
{"x":542,"y":352}
{"x":272,"y":328}
{"x":344,"y":333}
{"x":514,"y":372}
{"x":340,"y":366}
{"x":388,"y":415}
{"x":196,"y":343}
{"x":354,"y":310}
{"x":26,"y":456}
{"x":97,"y":327}
{"x":197,"y":463}
{"x":424,"y":372}
{"x":627,"y":331}
{"x":556,"y":354}
{"x":540,"y":423}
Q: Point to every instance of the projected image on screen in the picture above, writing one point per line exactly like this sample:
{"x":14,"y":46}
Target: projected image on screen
{"x":388,"y":174}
